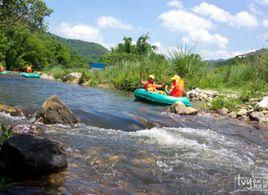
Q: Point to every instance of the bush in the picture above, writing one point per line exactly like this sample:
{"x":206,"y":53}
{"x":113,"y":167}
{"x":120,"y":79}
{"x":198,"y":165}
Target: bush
{"x":222,"y":102}
{"x":5,"y":133}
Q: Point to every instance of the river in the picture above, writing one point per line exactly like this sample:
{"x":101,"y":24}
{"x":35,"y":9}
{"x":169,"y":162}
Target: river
{"x":113,"y":151}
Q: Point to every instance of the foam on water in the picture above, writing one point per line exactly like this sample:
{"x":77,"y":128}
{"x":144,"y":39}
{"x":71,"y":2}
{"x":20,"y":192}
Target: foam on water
{"x":202,"y":145}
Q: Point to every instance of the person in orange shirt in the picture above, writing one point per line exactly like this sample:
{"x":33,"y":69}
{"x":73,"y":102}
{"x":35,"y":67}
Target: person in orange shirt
{"x":177,"y":87}
{"x":2,"y":68}
{"x":150,"y":85}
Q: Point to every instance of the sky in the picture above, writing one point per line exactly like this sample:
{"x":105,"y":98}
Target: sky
{"x":215,"y":29}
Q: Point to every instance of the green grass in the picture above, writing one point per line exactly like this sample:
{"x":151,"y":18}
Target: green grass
{"x":58,"y":72}
{"x":5,"y":133}
{"x":223,"y":102}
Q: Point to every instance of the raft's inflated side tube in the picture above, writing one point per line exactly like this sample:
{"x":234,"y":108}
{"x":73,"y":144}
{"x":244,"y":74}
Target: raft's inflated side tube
{"x":157,"y":98}
{"x":30,"y":75}
{"x":4,"y":72}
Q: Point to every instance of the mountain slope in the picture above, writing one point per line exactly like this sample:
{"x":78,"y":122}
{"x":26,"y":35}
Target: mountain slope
{"x":251,"y":55}
{"x":90,"y":50}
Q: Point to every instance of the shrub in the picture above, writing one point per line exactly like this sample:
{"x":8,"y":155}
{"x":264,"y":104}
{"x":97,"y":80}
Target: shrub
{"x":5,"y":133}
{"x":222,"y":102}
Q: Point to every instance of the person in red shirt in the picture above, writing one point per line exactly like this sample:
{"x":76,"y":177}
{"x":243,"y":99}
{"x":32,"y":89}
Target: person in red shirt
{"x":2,"y":68}
{"x":177,"y":87}
{"x":28,"y":69}
{"x":150,"y":85}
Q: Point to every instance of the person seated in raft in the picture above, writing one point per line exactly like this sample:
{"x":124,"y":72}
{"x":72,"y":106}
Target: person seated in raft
{"x":150,"y":84}
{"x":176,"y":88}
{"x":28,"y":69}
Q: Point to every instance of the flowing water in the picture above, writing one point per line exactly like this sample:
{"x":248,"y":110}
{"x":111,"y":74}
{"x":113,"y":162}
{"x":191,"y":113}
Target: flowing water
{"x":112,"y":150}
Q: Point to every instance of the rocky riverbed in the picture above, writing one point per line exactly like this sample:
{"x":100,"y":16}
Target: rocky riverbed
{"x":254,"y":109}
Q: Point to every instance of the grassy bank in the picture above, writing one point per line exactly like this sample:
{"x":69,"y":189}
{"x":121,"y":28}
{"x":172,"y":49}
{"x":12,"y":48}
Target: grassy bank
{"x":237,"y":77}
{"x":130,"y":63}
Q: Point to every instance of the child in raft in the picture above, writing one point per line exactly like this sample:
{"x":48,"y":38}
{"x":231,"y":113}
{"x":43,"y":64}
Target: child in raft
{"x":176,"y":88}
{"x":150,"y":85}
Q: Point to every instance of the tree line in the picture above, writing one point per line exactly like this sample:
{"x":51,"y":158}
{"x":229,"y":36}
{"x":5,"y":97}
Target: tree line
{"x":24,"y":40}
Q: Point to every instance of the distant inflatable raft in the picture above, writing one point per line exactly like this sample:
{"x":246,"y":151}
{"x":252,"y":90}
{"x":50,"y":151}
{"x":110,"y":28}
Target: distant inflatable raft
{"x":30,"y":75}
{"x":4,"y":72}
{"x":161,"y":99}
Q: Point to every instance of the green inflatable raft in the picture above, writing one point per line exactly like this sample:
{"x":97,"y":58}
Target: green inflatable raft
{"x":4,"y":72}
{"x":30,"y":75}
{"x":156,"y":98}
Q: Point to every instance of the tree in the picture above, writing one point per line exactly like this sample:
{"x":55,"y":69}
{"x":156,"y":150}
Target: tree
{"x":143,"y":47}
{"x":31,"y":12}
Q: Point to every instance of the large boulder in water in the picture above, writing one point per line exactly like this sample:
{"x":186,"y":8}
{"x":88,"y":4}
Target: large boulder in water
{"x":73,"y":77}
{"x":180,"y":108}
{"x":13,"y":111}
{"x":29,"y":156}
{"x":53,"y":111}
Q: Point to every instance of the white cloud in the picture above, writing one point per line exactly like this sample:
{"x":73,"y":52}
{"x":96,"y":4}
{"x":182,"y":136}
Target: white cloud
{"x":242,"y":18}
{"x":203,"y":36}
{"x":108,"y":21}
{"x":263,"y":2}
{"x":180,"y":20}
{"x":265,"y":22}
{"x":212,"y":11}
{"x":197,"y":28}
{"x":165,"y":50}
{"x":175,"y":3}
{"x":221,"y":54}
{"x":81,"y":32}
{"x":245,"y":19}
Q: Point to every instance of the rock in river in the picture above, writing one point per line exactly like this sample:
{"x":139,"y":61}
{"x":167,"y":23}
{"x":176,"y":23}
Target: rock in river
{"x":180,"y":108}
{"x":29,"y":156}
{"x":258,"y":116}
{"x":53,"y":111}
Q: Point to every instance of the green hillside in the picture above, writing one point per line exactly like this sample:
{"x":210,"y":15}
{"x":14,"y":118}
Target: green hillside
{"x":254,"y":55}
{"x":90,"y":50}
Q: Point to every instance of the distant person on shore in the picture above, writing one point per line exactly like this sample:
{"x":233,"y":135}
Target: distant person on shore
{"x":2,"y":69}
{"x":176,"y":88}
{"x":150,"y":85}
{"x":28,"y":69}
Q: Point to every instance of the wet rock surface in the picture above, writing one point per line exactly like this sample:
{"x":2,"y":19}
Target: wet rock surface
{"x":181,"y":109}
{"x":30,"y":156}
{"x":54,"y":111}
